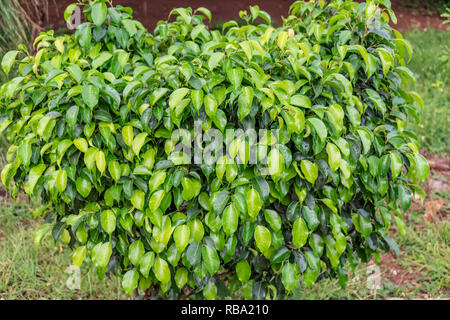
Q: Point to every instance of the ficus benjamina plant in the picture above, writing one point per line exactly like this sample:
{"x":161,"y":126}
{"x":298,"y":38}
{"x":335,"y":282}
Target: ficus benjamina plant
{"x":97,"y":118}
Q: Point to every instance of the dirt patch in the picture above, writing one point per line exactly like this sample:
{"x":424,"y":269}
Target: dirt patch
{"x":420,"y":18}
{"x":435,"y":209}
{"x":439,"y":174}
{"x":436,"y":206}
{"x":396,"y":274}
{"x":150,"y":12}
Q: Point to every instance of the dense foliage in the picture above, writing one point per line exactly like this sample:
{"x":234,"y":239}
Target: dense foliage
{"x":102,"y":124}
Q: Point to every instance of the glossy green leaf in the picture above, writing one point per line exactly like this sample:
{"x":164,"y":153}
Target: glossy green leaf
{"x":108,"y":221}
{"x":181,"y":237}
{"x":245,"y":102}
{"x":243,"y":271}
{"x":176,"y":97}
{"x":211,"y":259}
{"x":33,"y":177}
{"x":334,"y":156}
{"x":230,"y":219}
{"x":254,"y":203}
{"x":290,"y":276}
{"x":300,"y":233}
{"x":263,"y":238}
{"x":90,"y":94}
{"x":99,"y":12}
{"x":135,"y":252}
{"x":309,"y":170}
{"x":84,"y":186}
{"x":138,"y":199}
{"x":78,"y":256}
{"x":8,"y":60}
{"x":130,"y":281}
{"x":161,"y":270}
{"x":101,"y":254}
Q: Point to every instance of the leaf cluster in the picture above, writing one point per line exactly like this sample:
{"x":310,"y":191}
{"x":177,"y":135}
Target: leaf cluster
{"x":95,"y":119}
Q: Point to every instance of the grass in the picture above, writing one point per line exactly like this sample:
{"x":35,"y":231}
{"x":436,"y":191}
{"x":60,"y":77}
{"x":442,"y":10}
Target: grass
{"x":433,"y":84}
{"x":39,"y":272}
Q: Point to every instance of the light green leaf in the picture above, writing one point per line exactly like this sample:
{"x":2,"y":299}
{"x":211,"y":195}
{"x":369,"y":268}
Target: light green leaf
{"x":138,"y":142}
{"x":156,"y":95}
{"x":273,"y":219}
{"x":263,"y":238}
{"x":191,"y":188}
{"x":210,"y":290}
{"x":214,"y":60}
{"x":254,"y":203}
{"x":84,"y":186}
{"x":275,"y":162}
{"x":290,"y":276}
{"x":282,"y":39}
{"x":245,"y":102}
{"x":81,"y":144}
{"x":8,"y":60}
{"x":128,"y":135}
{"x":300,"y":233}
{"x":396,"y":165}
{"x":108,"y":221}
{"x":24,"y":153}
{"x":114,"y":170}
{"x":100,"y":161}
{"x":78,"y":256}
{"x":181,"y":277}
{"x":309,"y":170}
{"x":366,"y":138}
{"x":61,"y":180}
{"x":75,"y":72}
{"x":41,"y":233}
{"x":210,"y":106}
{"x":147,"y":261}
{"x":319,"y":128}
{"x":243,"y":271}
{"x":181,"y":237}
{"x":155,"y":200}
{"x":422,"y":167}
{"x":33,"y":177}
{"x":99,"y":12}
{"x":334,"y":156}
{"x":176,"y":97}
{"x":197,"y":99}
{"x":90,"y":94}
{"x":235,"y":76}
{"x":138,"y":199}
{"x":162,"y":271}
{"x":101,"y":254}
{"x":230,"y":220}
{"x":101,"y":59}
{"x":247,"y":48}
{"x":301,"y":101}
{"x":135,"y":252}
{"x":130,"y":281}
{"x":211,"y":259}
{"x":365,"y":226}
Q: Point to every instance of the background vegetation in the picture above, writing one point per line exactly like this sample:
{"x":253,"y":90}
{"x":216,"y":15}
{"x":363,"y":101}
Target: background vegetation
{"x":421,"y":270}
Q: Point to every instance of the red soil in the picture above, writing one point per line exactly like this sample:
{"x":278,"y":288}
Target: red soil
{"x":149,"y":12}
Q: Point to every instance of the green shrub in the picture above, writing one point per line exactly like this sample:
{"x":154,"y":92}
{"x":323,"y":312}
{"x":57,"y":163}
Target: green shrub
{"x":108,"y":125}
